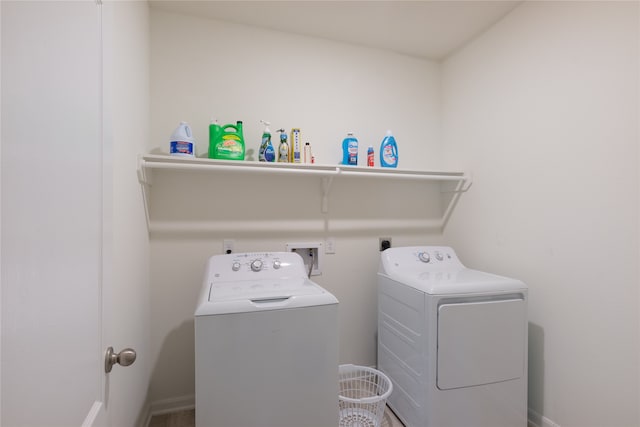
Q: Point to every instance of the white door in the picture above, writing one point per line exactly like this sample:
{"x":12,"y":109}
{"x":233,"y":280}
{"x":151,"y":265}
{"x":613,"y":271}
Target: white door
{"x":52,"y":214}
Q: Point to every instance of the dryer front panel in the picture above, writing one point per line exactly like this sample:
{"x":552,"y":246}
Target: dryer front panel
{"x":480,"y":342}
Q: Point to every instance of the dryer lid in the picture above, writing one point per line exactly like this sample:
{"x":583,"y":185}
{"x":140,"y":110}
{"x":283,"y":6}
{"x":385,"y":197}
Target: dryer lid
{"x":437,"y":270}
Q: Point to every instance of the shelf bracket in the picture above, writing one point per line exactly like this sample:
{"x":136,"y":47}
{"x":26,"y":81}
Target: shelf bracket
{"x":326,"y":187}
{"x":460,"y":188}
{"x":143,"y":176}
{"x":145,"y":182}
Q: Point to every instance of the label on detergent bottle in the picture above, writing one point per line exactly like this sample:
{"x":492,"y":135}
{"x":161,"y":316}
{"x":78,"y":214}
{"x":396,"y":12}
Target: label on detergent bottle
{"x":389,"y":156}
{"x":269,"y":153}
{"x":389,"y":152}
{"x":183,"y":148}
{"x":230,"y":146}
{"x":352,"y":148}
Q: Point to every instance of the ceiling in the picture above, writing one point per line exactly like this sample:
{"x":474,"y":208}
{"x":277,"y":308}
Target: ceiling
{"x":428,"y":29}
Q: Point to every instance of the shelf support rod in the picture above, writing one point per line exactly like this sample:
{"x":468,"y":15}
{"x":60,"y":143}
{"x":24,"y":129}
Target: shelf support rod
{"x":401,"y":175}
{"x":326,"y":187}
{"x":238,"y":168}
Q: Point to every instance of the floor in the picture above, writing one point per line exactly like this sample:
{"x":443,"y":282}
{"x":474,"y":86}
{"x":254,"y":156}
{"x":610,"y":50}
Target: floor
{"x":187,"y":418}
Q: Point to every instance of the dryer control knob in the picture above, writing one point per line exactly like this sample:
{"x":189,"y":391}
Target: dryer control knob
{"x":235,"y":266}
{"x":276,"y":264}
{"x":439,"y":256}
{"x":256,"y":265}
{"x":424,"y":257}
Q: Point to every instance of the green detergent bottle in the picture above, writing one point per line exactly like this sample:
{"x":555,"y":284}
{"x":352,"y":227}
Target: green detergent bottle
{"x":226,"y":142}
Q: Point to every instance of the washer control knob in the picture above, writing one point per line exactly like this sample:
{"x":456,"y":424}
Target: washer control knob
{"x":424,"y":257}
{"x":256,"y":265}
{"x":235,"y":266}
{"x":439,"y":256}
{"x":276,"y":264}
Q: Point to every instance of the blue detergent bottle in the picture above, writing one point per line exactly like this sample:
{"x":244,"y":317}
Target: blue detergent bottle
{"x":389,"y":152}
{"x":350,"y":150}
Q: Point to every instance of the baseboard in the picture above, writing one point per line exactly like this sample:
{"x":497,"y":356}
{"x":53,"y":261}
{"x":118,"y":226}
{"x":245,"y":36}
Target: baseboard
{"x":182,"y":403}
{"x":539,"y":420}
{"x":166,"y":406}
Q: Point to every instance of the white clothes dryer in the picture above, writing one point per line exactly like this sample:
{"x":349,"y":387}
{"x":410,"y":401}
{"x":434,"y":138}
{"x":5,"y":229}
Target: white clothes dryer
{"x":266,"y":344}
{"x":452,"y":340}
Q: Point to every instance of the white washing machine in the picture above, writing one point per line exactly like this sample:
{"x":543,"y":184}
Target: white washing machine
{"x":266,"y":344}
{"x":453,"y":341}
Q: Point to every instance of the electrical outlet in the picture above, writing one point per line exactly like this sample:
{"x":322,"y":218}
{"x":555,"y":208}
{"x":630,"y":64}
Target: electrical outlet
{"x":330,"y":245}
{"x":384,"y":243}
{"x":227,"y":246}
{"x":311,"y":254}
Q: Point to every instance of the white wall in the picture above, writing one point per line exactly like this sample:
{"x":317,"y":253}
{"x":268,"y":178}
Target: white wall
{"x":543,"y":110}
{"x":201,"y":68}
{"x":205,"y":68}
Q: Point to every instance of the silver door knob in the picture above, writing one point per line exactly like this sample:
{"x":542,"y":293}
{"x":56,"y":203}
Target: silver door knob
{"x":125,"y":358}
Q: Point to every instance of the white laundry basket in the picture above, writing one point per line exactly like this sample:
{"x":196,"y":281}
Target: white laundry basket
{"x":363,"y":396}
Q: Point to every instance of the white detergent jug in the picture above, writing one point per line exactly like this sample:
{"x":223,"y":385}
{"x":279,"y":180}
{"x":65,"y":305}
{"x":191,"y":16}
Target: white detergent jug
{"x":182,"y":143}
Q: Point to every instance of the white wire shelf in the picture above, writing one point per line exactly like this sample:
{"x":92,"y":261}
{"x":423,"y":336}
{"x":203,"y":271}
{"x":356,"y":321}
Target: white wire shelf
{"x":327,"y":173}
{"x":149,"y":162}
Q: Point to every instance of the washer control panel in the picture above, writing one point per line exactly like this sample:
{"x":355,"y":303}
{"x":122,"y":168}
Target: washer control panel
{"x":255,"y":265}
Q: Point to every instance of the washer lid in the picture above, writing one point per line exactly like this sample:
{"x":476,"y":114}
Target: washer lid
{"x":262,"y":289}
{"x":437,"y":270}
{"x":259,"y":295}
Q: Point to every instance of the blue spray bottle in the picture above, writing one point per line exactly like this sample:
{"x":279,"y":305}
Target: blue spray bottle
{"x":266,"y":153}
{"x":350,"y":150}
{"x":389,"y":152}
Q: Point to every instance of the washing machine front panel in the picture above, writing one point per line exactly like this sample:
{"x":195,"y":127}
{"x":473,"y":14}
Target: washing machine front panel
{"x":266,"y":344}
{"x":480,"y":342}
{"x":275,"y":368}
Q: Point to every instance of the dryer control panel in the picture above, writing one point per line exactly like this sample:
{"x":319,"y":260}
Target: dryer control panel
{"x":434,"y":256}
{"x":418,"y":259}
